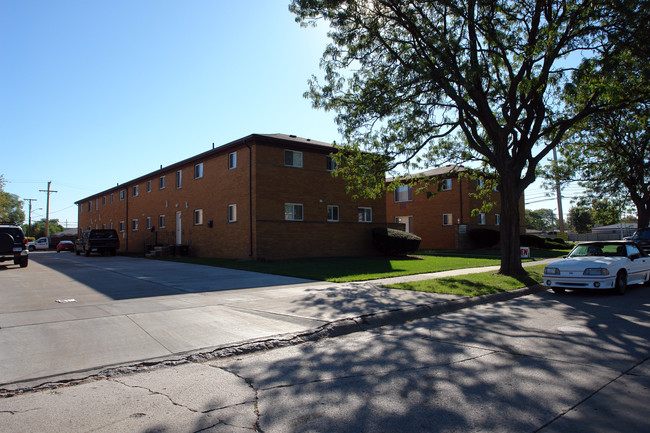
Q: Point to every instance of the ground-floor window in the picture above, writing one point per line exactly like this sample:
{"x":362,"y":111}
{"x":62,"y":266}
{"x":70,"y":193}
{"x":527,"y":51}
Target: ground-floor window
{"x":332,"y":213}
{"x":365,"y":214}
{"x":161,"y":221}
{"x":198,"y":217}
{"x":134,"y":225}
{"x":293,"y":211}
{"x":232,"y":213}
{"x":447,"y":219}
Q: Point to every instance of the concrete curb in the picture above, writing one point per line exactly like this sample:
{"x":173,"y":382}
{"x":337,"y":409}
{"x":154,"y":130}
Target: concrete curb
{"x":332,"y":329}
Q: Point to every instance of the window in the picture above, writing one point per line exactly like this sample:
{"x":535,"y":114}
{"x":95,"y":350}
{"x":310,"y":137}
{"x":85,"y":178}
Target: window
{"x":332,"y":213}
{"x":479,"y":183}
{"x":198,"y":171}
{"x":232,"y":213}
{"x":407,"y":221}
{"x":148,"y":223}
{"x":121,"y":226}
{"x":161,"y":221}
{"x":104,"y":201}
{"x":161,"y":184}
{"x":365,"y":214}
{"x":81,"y":208}
{"x":122,"y":194}
{"x":103,"y":226}
{"x":90,"y":206}
{"x":232,"y":160}
{"x":111,"y":226}
{"x":134,"y":225}
{"x":481,"y":219}
{"x":148,"y":186}
{"x":331,"y":164}
{"x":198,"y":217}
{"x":293,"y":211}
{"x":136,"y":190}
{"x":497,"y":219}
{"x":403,"y":193}
{"x":112,"y":198}
{"x":96,"y":204}
{"x":446,"y":185}
{"x":447,"y":219}
{"x":292,"y":158}
{"x":179,"y":179}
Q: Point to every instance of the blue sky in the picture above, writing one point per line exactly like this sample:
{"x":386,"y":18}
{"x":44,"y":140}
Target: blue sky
{"x":97,"y":93}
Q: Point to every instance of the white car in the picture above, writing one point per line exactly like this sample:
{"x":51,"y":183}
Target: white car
{"x":599,"y":265}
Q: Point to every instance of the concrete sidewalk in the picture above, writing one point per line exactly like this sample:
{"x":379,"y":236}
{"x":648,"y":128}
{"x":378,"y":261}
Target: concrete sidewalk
{"x":98,"y":337}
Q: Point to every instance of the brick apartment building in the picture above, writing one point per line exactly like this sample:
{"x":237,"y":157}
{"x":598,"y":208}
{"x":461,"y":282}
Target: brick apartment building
{"x":259,"y":197}
{"x":444,"y":219}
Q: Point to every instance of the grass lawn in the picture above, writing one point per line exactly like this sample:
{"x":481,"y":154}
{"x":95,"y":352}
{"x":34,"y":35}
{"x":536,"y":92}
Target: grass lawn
{"x":345,"y":269}
{"x":475,"y":284}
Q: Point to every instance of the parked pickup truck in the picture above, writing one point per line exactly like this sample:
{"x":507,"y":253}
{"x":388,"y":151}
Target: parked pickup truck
{"x":39,"y":244}
{"x":97,"y":241}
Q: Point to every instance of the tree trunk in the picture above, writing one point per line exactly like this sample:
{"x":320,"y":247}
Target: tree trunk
{"x":510,"y":225}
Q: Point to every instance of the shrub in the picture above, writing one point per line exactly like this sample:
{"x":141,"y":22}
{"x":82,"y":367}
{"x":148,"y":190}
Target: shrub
{"x":393,"y":242}
{"x":532,"y":241}
{"x":484,"y":238}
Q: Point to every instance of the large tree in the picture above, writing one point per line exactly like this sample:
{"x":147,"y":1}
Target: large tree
{"x":423,"y":83}
{"x":11,"y":207}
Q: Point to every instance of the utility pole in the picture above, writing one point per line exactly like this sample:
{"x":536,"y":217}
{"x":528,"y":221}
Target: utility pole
{"x":558,"y":194}
{"x":47,"y":209}
{"x":29,"y":224}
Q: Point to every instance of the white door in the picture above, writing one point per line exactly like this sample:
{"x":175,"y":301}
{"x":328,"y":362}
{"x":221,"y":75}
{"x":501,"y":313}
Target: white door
{"x":179,"y":232}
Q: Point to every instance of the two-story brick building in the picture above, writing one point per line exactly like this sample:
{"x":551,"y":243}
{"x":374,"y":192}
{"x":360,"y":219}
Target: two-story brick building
{"x":259,"y":197}
{"x":442,"y":215}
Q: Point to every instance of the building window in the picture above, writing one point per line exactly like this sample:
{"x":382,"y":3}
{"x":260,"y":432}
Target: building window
{"x":497,"y":219}
{"x":104,"y":201}
{"x":407,"y":221}
{"x":134,"y":225}
{"x":103,"y":226}
{"x":198,"y":171}
{"x":292,"y":158}
{"x":112,"y":198}
{"x":365,"y":214}
{"x":179,"y":179}
{"x":81,"y":208}
{"x":161,"y":184}
{"x":403,"y":193}
{"x":121,"y":226}
{"x":232,"y":160}
{"x":481,"y":219}
{"x":122,"y":194}
{"x":136,"y":190}
{"x":148,"y":186}
{"x":446,"y":185}
{"x":96,"y":204}
{"x":479,"y":183}
{"x":332,"y":213}
{"x":161,"y":221}
{"x":111,"y":226}
{"x":148,"y":223}
{"x":232,"y":213}
{"x":90,"y":206}
{"x":447,"y":219}
{"x":198,"y":217}
{"x":331,"y":163}
{"x":293,"y":211}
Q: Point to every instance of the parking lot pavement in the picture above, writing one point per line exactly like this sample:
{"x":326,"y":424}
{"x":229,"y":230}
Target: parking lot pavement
{"x":66,"y":316}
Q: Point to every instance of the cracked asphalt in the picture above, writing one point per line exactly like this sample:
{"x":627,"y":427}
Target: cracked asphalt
{"x":533,"y":361}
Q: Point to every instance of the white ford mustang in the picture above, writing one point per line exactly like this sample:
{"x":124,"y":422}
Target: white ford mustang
{"x":599,"y":265}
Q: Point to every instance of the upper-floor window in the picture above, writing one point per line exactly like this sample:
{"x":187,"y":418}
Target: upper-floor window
{"x":292,"y":158}
{"x":331,"y":163}
{"x":293,"y":211}
{"x":161,"y":184}
{"x":497,"y":219}
{"x":198,"y":217}
{"x":445,"y":185}
{"x":179,"y":179}
{"x":122,"y":194}
{"x":136,"y":190}
{"x":148,"y":186}
{"x":365,"y":214}
{"x":112,"y":197}
{"x":232,"y":213}
{"x":104,"y":201}
{"x":198,"y":171}
{"x":232,"y":160}
{"x":479,"y":183}
{"x":96,"y":204}
{"x":482,"y":220}
{"x":90,"y":206}
{"x":403,"y":193}
{"x":332,"y":213}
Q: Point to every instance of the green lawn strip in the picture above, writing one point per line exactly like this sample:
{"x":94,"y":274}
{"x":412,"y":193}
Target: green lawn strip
{"x":475,"y":284}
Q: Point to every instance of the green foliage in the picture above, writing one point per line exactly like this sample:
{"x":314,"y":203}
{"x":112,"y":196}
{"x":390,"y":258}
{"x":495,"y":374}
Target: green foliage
{"x":541,"y":219}
{"x":391,"y":242}
{"x":11,"y":206}
{"x":38,"y":228}
{"x":484,"y":238}
{"x":581,"y":219}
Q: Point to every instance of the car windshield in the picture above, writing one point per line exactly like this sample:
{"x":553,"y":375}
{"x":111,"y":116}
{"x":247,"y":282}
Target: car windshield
{"x":103,"y":234}
{"x":608,"y":250}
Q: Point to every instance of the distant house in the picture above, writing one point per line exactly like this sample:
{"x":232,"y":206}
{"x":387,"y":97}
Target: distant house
{"x":259,"y":197}
{"x":442,"y":216}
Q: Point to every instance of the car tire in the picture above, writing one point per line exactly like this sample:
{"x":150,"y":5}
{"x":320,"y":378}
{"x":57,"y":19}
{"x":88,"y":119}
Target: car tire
{"x":559,"y":290}
{"x":6,"y":243}
{"x":24,"y":262}
{"x":32,"y":248}
{"x":620,"y":286}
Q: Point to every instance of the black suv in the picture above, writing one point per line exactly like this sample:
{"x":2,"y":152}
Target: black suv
{"x":13,"y":244}
{"x":642,"y":238}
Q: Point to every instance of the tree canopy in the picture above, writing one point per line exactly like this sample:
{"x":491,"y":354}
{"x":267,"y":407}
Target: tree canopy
{"x":11,"y":206}
{"x":541,"y":219}
{"x":423,"y":83}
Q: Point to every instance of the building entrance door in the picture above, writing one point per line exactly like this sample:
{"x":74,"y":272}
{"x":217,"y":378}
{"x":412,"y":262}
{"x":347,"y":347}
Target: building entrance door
{"x":179,"y":232}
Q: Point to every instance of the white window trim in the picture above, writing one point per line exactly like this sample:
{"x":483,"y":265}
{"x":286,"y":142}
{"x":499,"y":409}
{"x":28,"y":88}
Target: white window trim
{"x":232,"y":213}
{"x":293,"y":212}
{"x":482,"y":219}
{"x":136,"y":190}
{"x":449,"y":219}
{"x":338,"y":215}
{"x":294,"y":152}
{"x":398,"y":193}
{"x":198,"y":167}
{"x":148,"y":186}
{"x":161,"y":182}
{"x":444,"y":186}
{"x":161,"y":221}
{"x":364,"y":209}
{"x":122,"y":194}
{"x":198,"y":217}
{"x":232,"y":160}
{"x":497,"y":219}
